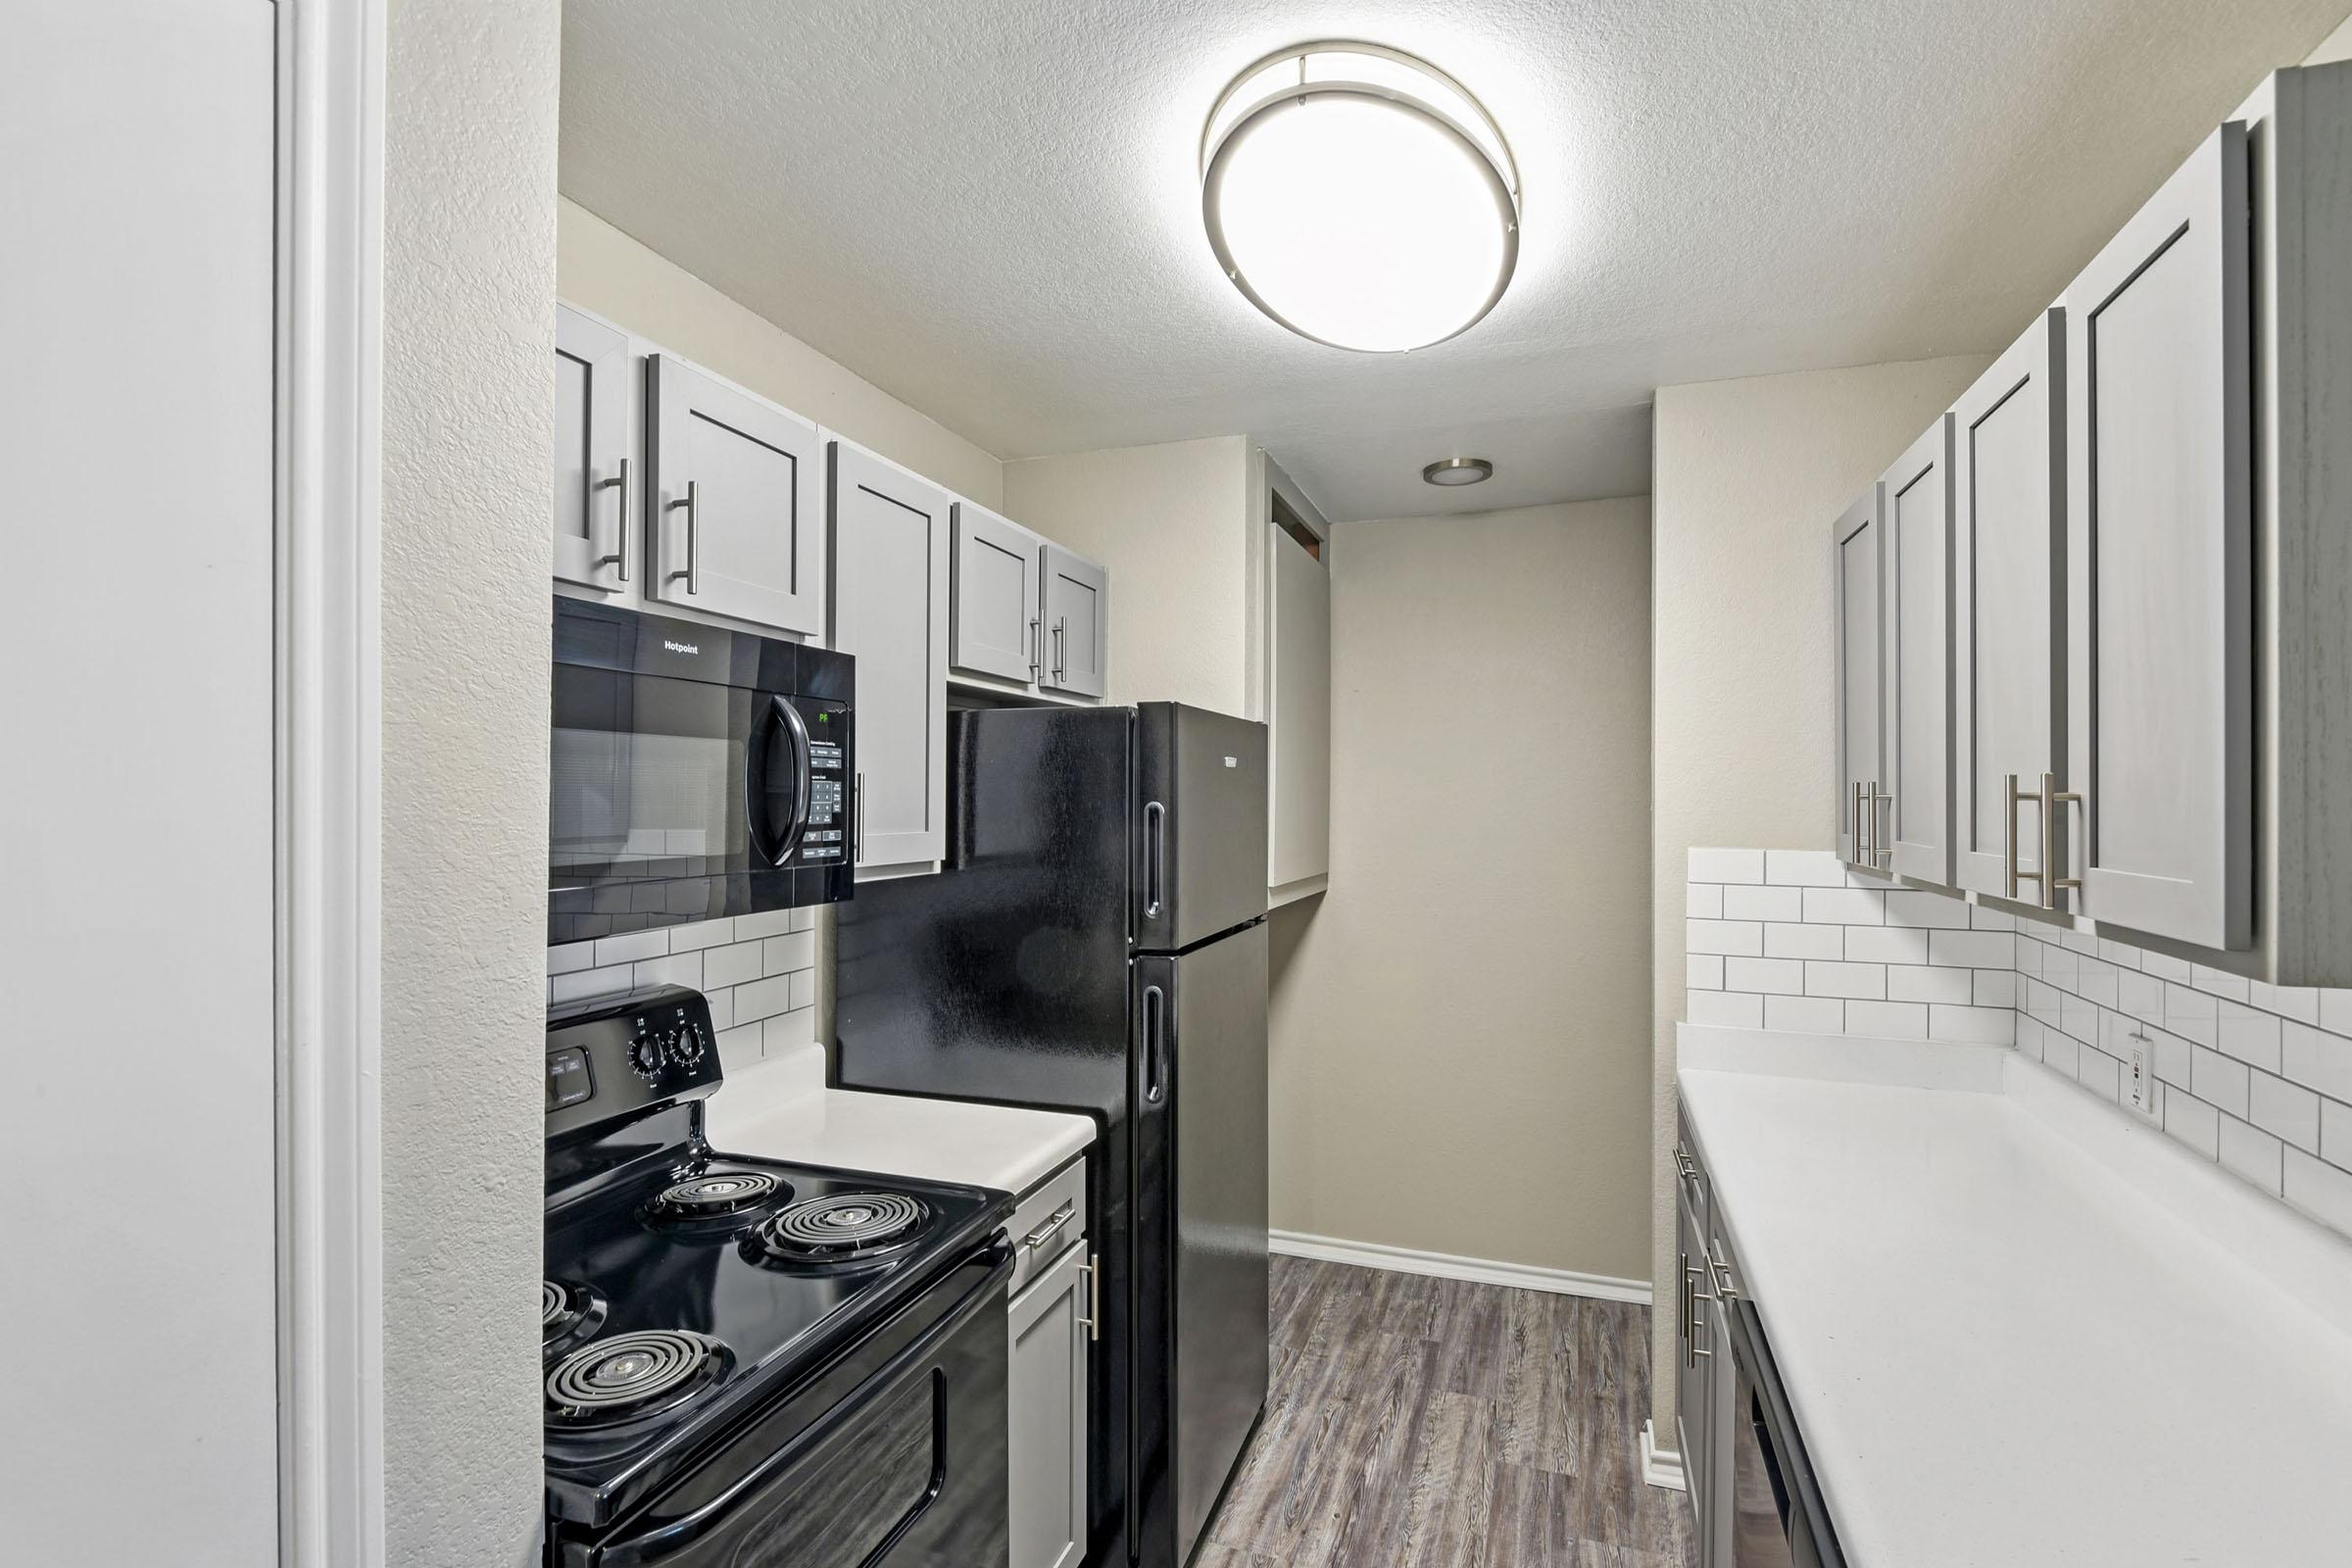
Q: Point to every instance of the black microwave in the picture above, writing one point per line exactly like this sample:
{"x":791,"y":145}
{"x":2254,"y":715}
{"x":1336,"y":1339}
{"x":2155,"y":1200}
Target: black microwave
{"x":693,"y":772}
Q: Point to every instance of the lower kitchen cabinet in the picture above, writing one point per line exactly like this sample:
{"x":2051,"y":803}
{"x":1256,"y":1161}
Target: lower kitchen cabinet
{"x":1049,"y":1334}
{"x":1702,"y":1367}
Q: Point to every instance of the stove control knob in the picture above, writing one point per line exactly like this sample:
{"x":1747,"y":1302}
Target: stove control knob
{"x":645,"y":1056}
{"x":686,"y":1047}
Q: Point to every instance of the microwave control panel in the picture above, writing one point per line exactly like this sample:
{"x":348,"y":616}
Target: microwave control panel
{"x":827,"y":841}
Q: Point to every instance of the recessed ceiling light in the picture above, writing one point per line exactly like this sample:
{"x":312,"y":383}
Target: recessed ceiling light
{"x":1360,"y":197}
{"x":1458,"y":472}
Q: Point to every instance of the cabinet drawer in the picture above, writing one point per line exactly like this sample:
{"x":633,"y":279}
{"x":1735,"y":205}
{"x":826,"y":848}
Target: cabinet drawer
{"x":1039,"y":1233}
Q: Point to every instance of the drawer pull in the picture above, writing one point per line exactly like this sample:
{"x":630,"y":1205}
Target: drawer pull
{"x":1052,"y":1228}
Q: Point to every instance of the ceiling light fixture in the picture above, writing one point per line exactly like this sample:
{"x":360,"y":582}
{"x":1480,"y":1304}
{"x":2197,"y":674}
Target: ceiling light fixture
{"x":1360,"y":197}
{"x":1456,"y":471}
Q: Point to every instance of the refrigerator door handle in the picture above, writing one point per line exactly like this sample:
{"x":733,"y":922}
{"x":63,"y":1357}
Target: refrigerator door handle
{"x":1156,"y":854}
{"x":1155,"y":1044}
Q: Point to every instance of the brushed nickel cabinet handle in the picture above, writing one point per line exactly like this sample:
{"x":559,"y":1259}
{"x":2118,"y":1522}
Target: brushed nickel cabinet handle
{"x":1037,"y":648}
{"x":1859,"y":833}
{"x":1881,"y":851}
{"x":1045,"y":1232}
{"x":694,"y":514}
{"x":2011,"y":874}
{"x":1091,"y":1268}
{"x":1061,"y":625}
{"x":621,"y":546}
{"x":2052,"y":797}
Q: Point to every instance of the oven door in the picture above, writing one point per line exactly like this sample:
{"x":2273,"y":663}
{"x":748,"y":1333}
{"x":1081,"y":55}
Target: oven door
{"x":1779,"y":1517}
{"x":895,"y":1458}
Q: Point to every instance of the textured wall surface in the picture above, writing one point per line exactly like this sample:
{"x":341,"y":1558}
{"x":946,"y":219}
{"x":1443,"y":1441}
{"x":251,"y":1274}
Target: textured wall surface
{"x":1461,"y":1057}
{"x":1171,"y":523}
{"x":469,"y":276}
{"x":599,"y":269}
{"x":1750,"y":476}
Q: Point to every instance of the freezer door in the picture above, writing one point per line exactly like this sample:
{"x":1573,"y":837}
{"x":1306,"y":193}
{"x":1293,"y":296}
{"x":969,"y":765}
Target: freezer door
{"x":1201,"y":1095}
{"x":1200,"y":825}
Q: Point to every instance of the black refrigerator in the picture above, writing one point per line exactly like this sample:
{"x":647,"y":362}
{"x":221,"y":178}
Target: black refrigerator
{"x":1097,"y":943}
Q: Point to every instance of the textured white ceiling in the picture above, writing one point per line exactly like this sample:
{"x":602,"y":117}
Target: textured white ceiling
{"x":989,"y":207}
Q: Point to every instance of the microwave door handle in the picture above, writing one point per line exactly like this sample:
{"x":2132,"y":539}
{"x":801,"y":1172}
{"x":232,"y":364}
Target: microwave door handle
{"x":779,"y":849}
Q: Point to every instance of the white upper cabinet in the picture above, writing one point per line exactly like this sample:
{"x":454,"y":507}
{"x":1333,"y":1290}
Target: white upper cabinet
{"x":1915,"y":732}
{"x":736,"y":503}
{"x":1076,"y":600}
{"x":1854,"y":565}
{"x":890,"y":531}
{"x":2160,"y":562}
{"x":2009,"y":619}
{"x":595,"y":442}
{"x":996,"y":626}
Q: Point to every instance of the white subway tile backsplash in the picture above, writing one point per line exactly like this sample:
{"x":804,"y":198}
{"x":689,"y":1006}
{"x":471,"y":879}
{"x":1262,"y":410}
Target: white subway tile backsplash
{"x":1845,"y":906}
{"x":763,"y":998}
{"x":1727,"y":866}
{"x":1729,"y":1009}
{"x":572,"y":958}
{"x":583,"y":983}
{"x":738,"y":1049}
{"x":2257,"y":1078}
{"x":702,"y":934}
{"x":732,"y":964}
{"x":758,"y":971}
{"x":1763,"y":903}
{"x":1783,"y":976}
{"x":1811,"y":869}
{"x":769,"y":924}
{"x":673,"y":970}
{"x":632,"y":946}
{"x":1742,"y":937}
{"x":785,"y":954}
{"x":1805,"y":941}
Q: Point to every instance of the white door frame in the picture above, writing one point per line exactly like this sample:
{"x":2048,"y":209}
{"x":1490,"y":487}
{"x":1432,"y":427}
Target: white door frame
{"x":329,"y":1228}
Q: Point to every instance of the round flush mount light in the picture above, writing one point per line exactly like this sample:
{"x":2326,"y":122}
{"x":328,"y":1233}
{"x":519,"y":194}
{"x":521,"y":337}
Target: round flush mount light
{"x":1456,"y":472}
{"x":1360,"y":197}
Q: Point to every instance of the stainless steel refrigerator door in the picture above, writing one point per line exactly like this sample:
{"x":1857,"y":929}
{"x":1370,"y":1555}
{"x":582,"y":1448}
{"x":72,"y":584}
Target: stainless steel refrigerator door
{"x":1202,"y":1078}
{"x":1199,"y":824}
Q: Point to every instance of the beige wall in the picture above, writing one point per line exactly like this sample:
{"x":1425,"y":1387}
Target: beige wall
{"x":599,"y":269}
{"x":1172,"y":525}
{"x":1460,"y":1027}
{"x":1749,"y":475}
{"x":468,"y":325}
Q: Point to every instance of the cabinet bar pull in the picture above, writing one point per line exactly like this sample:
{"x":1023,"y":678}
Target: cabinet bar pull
{"x":1860,"y":834}
{"x":2052,"y":797}
{"x":694,"y":511}
{"x":1880,"y":851}
{"x":621,"y":546}
{"x":2011,"y":876}
{"x":1091,"y":1268}
{"x":1037,"y":648}
{"x":1060,"y":624}
{"x":1045,"y":1232}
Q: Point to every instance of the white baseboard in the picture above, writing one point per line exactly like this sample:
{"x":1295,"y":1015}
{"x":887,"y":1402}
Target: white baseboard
{"x":1444,"y":1265}
{"x":1660,"y":1468}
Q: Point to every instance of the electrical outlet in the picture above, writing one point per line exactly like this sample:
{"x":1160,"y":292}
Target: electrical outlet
{"x":2141,"y":1093}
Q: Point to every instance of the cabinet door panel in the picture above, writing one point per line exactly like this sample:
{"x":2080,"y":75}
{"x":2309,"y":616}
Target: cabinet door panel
{"x":1048,"y":1400}
{"x":1916,"y":730}
{"x":2159,"y":561}
{"x":997,"y":629}
{"x":2009,"y":599}
{"x":1077,"y":610}
{"x":593,"y":443}
{"x":737,"y":492}
{"x":889,"y":612}
{"x":1855,"y":558}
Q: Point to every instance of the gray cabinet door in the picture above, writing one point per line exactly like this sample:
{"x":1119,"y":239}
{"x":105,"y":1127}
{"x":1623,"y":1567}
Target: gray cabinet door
{"x":996,"y":630}
{"x":1854,"y":562}
{"x":1047,"y":1430}
{"x":1077,"y":617}
{"x":1694,"y":1380}
{"x":594,"y":507}
{"x":2159,"y":561}
{"x":889,"y":612}
{"x":737,"y":502}
{"x":2009,"y":609}
{"x":1916,"y":733}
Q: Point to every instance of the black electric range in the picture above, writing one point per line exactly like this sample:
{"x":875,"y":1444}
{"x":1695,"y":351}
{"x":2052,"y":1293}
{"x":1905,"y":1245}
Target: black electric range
{"x":750,"y":1362}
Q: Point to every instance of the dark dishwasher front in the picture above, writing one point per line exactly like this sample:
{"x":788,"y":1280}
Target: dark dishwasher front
{"x":893,"y":1457}
{"x":1779,"y":1517}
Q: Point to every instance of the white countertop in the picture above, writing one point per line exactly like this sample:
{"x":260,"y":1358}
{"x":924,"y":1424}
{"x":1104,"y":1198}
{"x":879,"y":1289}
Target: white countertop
{"x":1001,"y":1147}
{"x":2019,"y":1327}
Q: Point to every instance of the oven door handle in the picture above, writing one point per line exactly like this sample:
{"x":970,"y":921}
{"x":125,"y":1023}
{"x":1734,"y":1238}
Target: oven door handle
{"x":681,"y":1533}
{"x":775,"y":850}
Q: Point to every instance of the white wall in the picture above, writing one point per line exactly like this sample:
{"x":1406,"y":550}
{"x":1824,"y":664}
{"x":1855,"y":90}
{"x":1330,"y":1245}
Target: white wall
{"x":1747,"y":476}
{"x":599,"y":269}
{"x":1172,"y":523}
{"x":469,"y":307}
{"x":1461,"y":1027}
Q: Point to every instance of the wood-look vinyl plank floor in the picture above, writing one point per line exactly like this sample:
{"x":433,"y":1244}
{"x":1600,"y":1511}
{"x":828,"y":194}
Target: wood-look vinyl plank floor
{"x":1427,"y":1423}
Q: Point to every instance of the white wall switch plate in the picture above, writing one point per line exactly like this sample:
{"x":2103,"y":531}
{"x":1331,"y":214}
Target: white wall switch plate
{"x":2141,"y":1093}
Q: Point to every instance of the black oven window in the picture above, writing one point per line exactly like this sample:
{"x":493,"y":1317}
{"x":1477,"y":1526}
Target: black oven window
{"x":646,"y":775}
